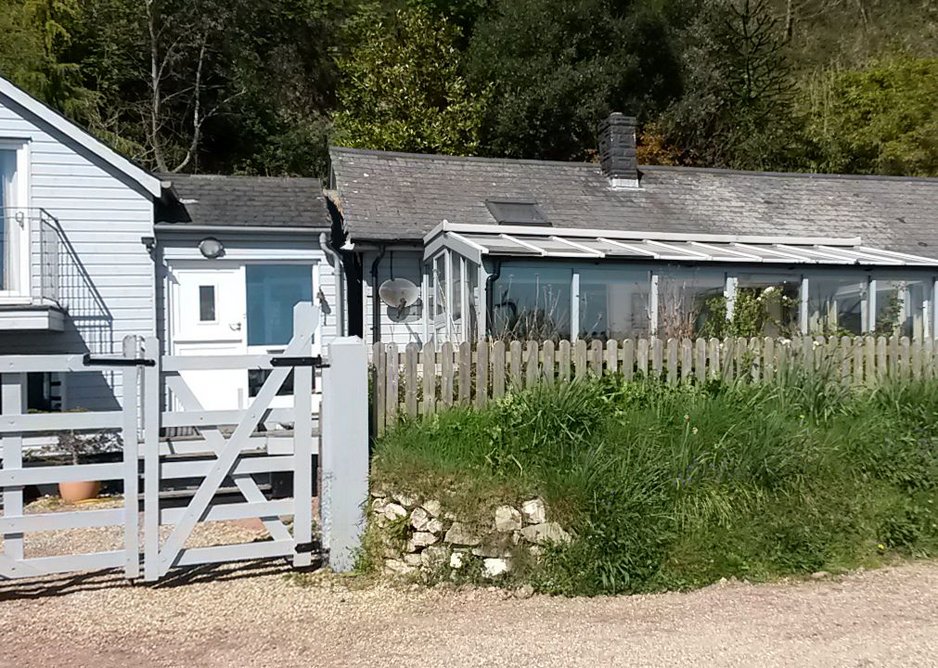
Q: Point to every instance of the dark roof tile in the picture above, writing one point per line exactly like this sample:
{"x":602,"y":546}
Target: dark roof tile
{"x":245,"y":201}
{"x":393,"y":196}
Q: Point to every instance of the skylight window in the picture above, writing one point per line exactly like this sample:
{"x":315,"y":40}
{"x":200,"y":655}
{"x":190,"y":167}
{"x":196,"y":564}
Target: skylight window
{"x":516,"y":212}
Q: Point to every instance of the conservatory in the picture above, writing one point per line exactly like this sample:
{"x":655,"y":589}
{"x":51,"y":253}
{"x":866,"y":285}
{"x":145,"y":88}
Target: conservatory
{"x":530,"y":281}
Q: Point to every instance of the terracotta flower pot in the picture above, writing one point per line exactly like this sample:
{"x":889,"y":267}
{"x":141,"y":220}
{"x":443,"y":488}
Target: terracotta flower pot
{"x":73,"y":492}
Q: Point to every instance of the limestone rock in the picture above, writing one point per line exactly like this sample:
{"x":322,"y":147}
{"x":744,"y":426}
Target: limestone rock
{"x":457,"y":560}
{"x":459,"y":534}
{"x":393,"y":511}
{"x":546,"y":532}
{"x":413,"y":560}
{"x":534,"y":511}
{"x":492,"y":568}
{"x":379,"y":504}
{"x":433,"y":507}
{"x":404,"y":500}
{"x":524,"y":591}
{"x":424,"y":538}
{"x":434,"y":526}
{"x":398,"y":567}
{"x":820,"y":575}
{"x":507,"y":519}
{"x":419,"y":519}
{"x":435,"y":556}
{"x":378,"y":493}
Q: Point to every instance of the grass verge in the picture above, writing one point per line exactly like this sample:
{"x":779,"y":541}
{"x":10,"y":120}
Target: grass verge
{"x":676,"y":487}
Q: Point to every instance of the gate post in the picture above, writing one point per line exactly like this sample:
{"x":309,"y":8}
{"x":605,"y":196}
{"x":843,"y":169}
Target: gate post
{"x":344,"y":451}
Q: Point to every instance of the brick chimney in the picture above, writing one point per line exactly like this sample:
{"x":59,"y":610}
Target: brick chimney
{"x":617,"y":150}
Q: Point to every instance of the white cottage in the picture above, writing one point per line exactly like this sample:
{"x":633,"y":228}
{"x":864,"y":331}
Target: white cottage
{"x":540,"y":249}
{"x":76,"y":273}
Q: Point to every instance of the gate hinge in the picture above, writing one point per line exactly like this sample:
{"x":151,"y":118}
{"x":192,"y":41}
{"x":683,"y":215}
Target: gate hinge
{"x":304,"y":547}
{"x":299,"y":361}
{"x":88,"y":360}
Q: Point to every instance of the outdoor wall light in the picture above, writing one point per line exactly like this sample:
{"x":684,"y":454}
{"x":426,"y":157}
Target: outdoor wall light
{"x":211,"y":248}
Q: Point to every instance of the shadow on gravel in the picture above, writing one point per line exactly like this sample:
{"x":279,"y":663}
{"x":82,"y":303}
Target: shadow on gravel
{"x":63,"y":585}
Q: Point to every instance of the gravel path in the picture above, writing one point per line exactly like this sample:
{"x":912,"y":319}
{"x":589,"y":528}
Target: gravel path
{"x":256,"y":615}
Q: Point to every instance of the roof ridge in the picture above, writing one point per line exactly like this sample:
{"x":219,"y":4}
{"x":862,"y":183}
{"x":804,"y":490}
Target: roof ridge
{"x":439,"y":157}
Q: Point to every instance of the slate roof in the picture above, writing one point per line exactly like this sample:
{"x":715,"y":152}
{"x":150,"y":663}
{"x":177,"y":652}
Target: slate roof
{"x":244,"y":201}
{"x":396,"y":196}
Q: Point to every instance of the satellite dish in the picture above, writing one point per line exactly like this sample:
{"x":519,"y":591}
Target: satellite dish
{"x":399,"y":293}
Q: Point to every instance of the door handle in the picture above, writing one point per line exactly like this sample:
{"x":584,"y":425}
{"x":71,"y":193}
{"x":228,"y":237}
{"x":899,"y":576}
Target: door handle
{"x":235,"y":326}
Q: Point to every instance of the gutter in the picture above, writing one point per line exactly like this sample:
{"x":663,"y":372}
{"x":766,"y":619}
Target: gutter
{"x":184,"y":227}
{"x":490,"y":294}
{"x":337,"y":266}
{"x":375,"y":300}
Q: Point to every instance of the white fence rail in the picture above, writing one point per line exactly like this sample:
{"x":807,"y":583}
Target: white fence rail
{"x":229,"y":445}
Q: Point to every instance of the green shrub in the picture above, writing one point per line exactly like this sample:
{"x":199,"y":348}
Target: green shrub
{"x":673,"y":487}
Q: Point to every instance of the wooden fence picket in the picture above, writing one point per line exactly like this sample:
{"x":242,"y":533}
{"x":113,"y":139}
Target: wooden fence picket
{"x":416,"y":380}
{"x":410,"y":375}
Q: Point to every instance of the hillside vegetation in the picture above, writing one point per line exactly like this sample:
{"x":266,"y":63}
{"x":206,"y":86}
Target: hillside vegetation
{"x":261,"y":86}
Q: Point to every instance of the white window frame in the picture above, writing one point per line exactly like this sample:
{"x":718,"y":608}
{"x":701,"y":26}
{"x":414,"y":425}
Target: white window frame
{"x":20,"y":211}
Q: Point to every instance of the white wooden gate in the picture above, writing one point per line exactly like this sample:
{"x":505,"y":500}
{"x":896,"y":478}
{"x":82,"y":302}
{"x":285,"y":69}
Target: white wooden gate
{"x":224,"y":445}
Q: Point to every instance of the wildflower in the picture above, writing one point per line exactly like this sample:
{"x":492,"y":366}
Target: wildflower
{"x":881,"y":547}
{"x":694,"y":430}
{"x":687,"y":418}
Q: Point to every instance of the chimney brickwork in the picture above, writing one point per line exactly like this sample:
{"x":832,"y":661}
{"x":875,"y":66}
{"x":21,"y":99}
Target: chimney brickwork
{"x":617,"y":150}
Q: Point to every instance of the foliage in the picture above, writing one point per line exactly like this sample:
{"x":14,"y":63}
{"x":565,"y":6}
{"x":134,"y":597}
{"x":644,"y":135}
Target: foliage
{"x":557,"y":67}
{"x":254,"y":86}
{"x":678,"y":486}
{"x":402,"y":87}
{"x":736,"y":111}
{"x":756,"y":312}
{"x":82,"y":448}
{"x":881,"y":119}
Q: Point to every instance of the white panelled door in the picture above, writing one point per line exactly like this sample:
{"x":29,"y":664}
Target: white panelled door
{"x":236,"y":309}
{"x":208,"y":318}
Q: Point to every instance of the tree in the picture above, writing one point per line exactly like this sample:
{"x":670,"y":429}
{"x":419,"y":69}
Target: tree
{"x":557,"y":67}
{"x":882,"y":119}
{"x":737,"y":109}
{"x":402,"y":88}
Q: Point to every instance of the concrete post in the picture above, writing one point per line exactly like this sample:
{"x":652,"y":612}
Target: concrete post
{"x":344,"y":451}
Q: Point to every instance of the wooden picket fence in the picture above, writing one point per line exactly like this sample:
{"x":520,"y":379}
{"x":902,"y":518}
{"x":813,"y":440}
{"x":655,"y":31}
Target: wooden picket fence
{"x":417,"y":380}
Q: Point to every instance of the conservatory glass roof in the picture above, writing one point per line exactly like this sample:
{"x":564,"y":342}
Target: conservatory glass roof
{"x":476,"y":241}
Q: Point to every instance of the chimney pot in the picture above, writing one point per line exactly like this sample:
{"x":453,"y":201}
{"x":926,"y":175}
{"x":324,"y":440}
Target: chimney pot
{"x":617,"y":150}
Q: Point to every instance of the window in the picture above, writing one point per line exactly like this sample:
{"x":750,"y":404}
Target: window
{"x":837,"y":304}
{"x":272,"y":292}
{"x":206,"y":303}
{"x":516,"y":212}
{"x":12,"y":228}
{"x":689,"y":299}
{"x":532,"y":301}
{"x":900,"y":308}
{"x":614,"y":303}
{"x":767,"y":304}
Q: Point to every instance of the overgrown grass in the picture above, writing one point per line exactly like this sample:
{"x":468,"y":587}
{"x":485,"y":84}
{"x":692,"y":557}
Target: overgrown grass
{"x":676,"y":487}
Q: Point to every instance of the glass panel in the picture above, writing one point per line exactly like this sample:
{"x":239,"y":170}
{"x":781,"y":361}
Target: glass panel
{"x":206,"y":303}
{"x":766,"y":305}
{"x":614,"y":303}
{"x":837,"y":304}
{"x":272,"y":292}
{"x":691,"y":302}
{"x":458,"y":287}
{"x":900,"y":307}
{"x":8,"y":260}
{"x":439,"y":281}
{"x":532,"y":301}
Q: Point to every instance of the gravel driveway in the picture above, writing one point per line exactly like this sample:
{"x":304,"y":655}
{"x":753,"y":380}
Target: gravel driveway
{"x":255,"y":615}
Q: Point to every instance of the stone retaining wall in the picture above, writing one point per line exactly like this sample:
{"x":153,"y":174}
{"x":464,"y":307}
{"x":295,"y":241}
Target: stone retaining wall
{"x":419,"y":538}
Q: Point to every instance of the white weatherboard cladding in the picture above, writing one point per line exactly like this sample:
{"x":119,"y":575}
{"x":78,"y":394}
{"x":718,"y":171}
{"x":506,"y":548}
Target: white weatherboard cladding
{"x":103,"y":214}
{"x":410,"y":329}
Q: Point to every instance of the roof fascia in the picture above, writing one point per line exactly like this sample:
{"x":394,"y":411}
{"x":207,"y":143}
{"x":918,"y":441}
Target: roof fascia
{"x":140,"y":176}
